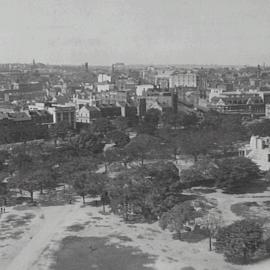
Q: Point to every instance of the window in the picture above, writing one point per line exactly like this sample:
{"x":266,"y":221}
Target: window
{"x":268,"y":157}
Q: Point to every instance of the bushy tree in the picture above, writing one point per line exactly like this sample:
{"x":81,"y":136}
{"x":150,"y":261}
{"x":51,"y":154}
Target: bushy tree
{"x":140,"y":146}
{"x":121,"y":123}
{"x":102,"y":125}
{"x":58,"y":130}
{"x":81,"y":184}
{"x":233,"y":173}
{"x":86,"y":143}
{"x":177,"y":217}
{"x":150,"y":122}
{"x":196,"y":142}
{"x":118,"y":137}
{"x":260,"y":128}
{"x":147,"y":191}
{"x":240,"y":240}
{"x":199,"y":174}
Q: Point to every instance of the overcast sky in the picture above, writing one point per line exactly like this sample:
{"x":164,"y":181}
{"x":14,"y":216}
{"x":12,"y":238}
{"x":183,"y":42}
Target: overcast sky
{"x":135,"y":31}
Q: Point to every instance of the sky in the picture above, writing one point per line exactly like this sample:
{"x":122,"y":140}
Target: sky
{"x":102,"y":32}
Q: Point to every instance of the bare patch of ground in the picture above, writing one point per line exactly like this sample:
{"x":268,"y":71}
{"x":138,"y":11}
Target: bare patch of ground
{"x":94,"y":253}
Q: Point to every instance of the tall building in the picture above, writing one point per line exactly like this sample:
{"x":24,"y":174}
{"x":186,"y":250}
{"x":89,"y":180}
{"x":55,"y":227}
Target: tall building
{"x":118,"y":67}
{"x":86,"y":66}
{"x":187,"y":79}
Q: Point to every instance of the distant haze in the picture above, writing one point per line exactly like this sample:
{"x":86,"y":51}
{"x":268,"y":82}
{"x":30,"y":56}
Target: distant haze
{"x":102,"y":32}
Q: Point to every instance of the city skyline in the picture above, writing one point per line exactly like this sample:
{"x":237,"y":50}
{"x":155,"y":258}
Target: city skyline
{"x":197,"y":32}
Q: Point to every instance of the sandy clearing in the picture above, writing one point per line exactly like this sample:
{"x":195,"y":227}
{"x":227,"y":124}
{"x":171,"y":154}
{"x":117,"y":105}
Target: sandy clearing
{"x":38,"y":252}
{"x":53,"y":222}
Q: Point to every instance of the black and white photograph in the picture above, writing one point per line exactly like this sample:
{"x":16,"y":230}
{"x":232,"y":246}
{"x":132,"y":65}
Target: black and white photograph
{"x":135,"y":134}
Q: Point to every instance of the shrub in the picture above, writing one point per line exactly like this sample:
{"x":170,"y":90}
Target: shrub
{"x":241,"y":242}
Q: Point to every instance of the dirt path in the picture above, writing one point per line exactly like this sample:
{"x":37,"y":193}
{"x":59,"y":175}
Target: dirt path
{"x":54,"y":222}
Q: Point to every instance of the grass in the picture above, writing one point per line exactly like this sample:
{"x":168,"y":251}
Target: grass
{"x":253,"y":210}
{"x":256,"y":186}
{"x":121,"y":237}
{"x":193,"y":237}
{"x":75,"y":228}
{"x":204,"y":190}
{"x":243,"y":209}
{"x":94,"y":253}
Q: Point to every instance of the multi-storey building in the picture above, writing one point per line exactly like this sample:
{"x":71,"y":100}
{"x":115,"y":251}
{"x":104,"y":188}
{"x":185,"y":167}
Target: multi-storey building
{"x":104,"y":78}
{"x":63,"y":113}
{"x":186,"y":79}
{"x":258,"y":150}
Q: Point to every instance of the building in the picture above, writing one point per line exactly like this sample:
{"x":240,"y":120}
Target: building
{"x":110,"y":111}
{"x":41,"y":117}
{"x":258,"y":150}
{"x":186,"y":79}
{"x":163,"y":98}
{"x":127,"y":109}
{"x":267,"y":111}
{"x":111,"y":97}
{"x":237,"y":102}
{"x":20,"y":127}
{"x":154,"y":104}
{"x":141,"y":90}
{"x":63,"y":113}
{"x":87,"y":114}
{"x":162,"y":81}
{"x":104,"y":87}
{"x":118,"y":67}
{"x":141,"y":107}
{"x":104,"y":78}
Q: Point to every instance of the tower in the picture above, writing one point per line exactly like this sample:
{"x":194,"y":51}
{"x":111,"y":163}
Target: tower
{"x":86,"y":66}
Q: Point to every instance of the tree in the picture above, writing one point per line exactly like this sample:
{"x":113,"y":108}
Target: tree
{"x":128,"y":193}
{"x":177,"y":217}
{"x":196,"y":142}
{"x":230,"y":131}
{"x":140,"y":146}
{"x":102,"y":125}
{"x":189,"y":120}
{"x":240,"y":240}
{"x":32,"y":169}
{"x":98,"y":186}
{"x":108,"y":157}
{"x":260,"y":128}
{"x":212,"y":221}
{"x":121,"y":123}
{"x":4,"y":155}
{"x":211,"y":120}
{"x":199,"y":174}
{"x":152,"y":117}
{"x":59,"y":130}
{"x":86,"y":143}
{"x":234,"y":173}
{"x":171,"y":119}
{"x":118,"y":137}
{"x":70,"y":169}
{"x":81,"y":184}
{"x":150,"y":122}
{"x":147,"y":191}
{"x":166,"y":186}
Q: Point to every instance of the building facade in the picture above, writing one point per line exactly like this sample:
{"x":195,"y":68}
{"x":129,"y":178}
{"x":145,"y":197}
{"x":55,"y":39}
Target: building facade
{"x":258,"y":150}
